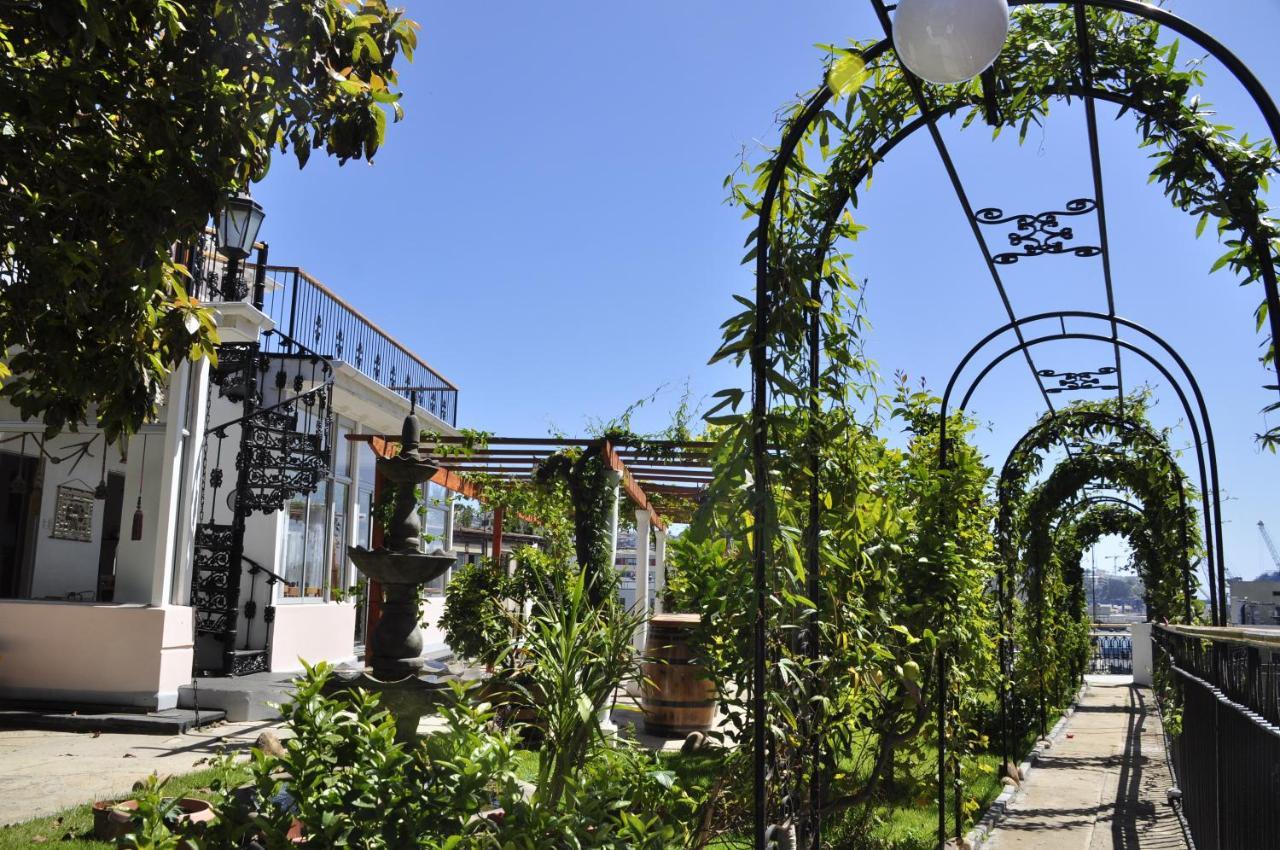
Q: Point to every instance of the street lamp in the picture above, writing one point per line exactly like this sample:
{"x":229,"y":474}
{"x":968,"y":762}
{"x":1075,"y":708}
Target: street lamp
{"x":950,"y":41}
{"x":238,"y":223}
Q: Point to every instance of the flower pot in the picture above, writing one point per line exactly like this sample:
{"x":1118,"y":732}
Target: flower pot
{"x":113,"y":820}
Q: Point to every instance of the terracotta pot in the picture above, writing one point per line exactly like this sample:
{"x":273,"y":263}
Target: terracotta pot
{"x":115,"y":819}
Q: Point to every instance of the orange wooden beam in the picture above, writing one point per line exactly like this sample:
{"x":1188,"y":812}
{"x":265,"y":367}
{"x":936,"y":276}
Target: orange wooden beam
{"x":629,"y":485}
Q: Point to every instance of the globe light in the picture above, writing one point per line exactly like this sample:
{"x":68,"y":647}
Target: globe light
{"x":950,"y":41}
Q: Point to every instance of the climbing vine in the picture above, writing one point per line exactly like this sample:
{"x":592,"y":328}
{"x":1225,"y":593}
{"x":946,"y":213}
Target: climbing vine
{"x":885,"y":540}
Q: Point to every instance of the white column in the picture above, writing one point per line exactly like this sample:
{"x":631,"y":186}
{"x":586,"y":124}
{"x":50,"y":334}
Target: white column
{"x":190,"y":483}
{"x":607,"y":726}
{"x":615,"y":479}
{"x":642,"y":575}
{"x":169,"y":498}
{"x":660,"y":567}
{"x":1140,"y":633}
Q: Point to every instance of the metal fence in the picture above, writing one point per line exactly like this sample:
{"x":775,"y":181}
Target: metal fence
{"x":1226,"y":750}
{"x":1111,"y":652}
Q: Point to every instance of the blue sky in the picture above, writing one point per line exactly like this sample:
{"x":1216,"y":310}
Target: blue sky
{"x":547,"y":225}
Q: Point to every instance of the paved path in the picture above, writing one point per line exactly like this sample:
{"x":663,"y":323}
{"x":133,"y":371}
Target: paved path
{"x":45,"y":772}
{"x":1103,"y":785}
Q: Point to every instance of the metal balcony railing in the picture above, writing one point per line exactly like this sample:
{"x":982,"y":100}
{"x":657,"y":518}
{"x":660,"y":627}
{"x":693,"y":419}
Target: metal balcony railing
{"x":308,"y":313}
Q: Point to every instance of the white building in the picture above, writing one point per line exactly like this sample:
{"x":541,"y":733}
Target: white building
{"x":1254,"y":603}
{"x":124,"y":570}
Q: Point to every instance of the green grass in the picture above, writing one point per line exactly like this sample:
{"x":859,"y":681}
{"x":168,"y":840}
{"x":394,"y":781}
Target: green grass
{"x":76,"y":823}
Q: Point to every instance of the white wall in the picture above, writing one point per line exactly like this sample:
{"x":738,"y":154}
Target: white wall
{"x":115,"y":654}
{"x":312,"y":632}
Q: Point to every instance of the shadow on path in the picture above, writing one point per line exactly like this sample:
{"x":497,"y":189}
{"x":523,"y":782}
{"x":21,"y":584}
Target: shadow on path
{"x":1103,"y":785}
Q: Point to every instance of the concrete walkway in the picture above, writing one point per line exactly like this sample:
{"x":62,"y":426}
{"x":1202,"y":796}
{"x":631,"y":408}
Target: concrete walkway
{"x":42,"y":773}
{"x":1103,"y":784}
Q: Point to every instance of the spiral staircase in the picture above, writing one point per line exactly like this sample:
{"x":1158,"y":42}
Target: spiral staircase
{"x":282,"y":445}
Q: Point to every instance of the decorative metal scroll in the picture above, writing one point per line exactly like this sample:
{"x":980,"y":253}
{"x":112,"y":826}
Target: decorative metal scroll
{"x":1071,"y":382}
{"x":215,"y":579}
{"x":73,"y":514}
{"x":1040,"y":234}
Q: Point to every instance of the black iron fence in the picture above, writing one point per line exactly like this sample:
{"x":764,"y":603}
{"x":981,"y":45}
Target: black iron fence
{"x":307,"y":313}
{"x":1226,"y":746}
{"x":1111,"y":652}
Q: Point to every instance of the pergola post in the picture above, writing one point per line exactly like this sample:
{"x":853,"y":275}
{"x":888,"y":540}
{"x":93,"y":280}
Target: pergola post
{"x":615,"y":479}
{"x":660,"y":568}
{"x":642,"y":576}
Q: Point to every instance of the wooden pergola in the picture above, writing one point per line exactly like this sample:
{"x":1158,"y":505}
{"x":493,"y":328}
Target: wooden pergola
{"x":664,"y":480}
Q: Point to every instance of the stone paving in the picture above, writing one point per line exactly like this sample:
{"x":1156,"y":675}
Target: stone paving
{"x":45,"y":772}
{"x":1103,"y":785}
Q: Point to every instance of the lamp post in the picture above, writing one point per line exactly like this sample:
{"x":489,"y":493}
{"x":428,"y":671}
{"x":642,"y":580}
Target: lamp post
{"x":238,"y":223}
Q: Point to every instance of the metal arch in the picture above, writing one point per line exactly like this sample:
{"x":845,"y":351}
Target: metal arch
{"x":1203,"y":409}
{"x":1123,"y":422}
{"x":759,"y":351}
{"x":1141,"y":510}
{"x":1191,"y":419}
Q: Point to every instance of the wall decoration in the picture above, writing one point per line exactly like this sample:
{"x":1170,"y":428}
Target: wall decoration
{"x":73,"y":514}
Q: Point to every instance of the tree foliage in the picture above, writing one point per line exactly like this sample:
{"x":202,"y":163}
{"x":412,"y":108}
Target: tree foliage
{"x":122,"y":126}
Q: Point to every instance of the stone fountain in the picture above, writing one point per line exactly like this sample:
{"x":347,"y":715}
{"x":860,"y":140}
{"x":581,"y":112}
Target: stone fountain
{"x":408,"y":686}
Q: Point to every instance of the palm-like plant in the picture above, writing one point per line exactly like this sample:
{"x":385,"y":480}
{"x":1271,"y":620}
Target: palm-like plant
{"x":573,"y":656}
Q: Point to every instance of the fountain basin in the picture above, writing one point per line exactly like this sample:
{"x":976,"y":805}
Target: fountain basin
{"x":390,"y":567}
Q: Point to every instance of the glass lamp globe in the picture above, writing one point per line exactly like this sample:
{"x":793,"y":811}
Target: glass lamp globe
{"x":950,"y":41}
{"x":238,"y":223}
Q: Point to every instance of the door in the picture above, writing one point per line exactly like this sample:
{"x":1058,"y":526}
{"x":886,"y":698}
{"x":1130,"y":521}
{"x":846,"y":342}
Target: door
{"x":111,"y":519}
{"x":17,"y":482}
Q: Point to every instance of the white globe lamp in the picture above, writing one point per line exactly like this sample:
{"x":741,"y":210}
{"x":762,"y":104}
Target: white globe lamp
{"x":950,"y":41}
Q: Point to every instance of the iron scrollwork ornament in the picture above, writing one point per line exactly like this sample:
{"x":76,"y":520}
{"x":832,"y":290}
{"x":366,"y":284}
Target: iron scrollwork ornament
{"x":1040,"y":234}
{"x":1070,"y":382}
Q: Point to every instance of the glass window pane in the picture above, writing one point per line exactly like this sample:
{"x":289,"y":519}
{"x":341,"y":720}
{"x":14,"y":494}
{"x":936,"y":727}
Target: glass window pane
{"x":295,"y":541}
{"x":363,"y":460}
{"x":338,"y":571}
{"x":364,"y":507}
{"x":317,"y":543}
{"x":342,"y":449}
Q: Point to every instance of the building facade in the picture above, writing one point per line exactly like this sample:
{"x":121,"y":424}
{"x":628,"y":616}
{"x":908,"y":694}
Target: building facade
{"x":1254,"y":603}
{"x":214,"y":541}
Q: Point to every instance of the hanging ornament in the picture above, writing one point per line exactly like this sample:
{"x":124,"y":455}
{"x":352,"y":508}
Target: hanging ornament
{"x":18,"y":486}
{"x":142,"y":474}
{"x":100,"y":492}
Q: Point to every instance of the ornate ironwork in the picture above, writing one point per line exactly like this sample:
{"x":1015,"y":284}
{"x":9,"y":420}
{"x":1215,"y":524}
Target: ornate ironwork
{"x":1038,"y":234}
{"x":73,"y":514}
{"x":245,"y":662}
{"x":1070,"y":382}
{"x":234,"y":360}
{"x":215,"y":582}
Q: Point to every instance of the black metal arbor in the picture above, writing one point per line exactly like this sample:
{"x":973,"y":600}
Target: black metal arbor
{"x":1040,"y":228}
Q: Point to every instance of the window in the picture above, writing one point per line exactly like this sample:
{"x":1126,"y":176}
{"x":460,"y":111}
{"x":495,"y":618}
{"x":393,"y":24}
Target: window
{"x":315,"y":558}
{"x":435,"y":528}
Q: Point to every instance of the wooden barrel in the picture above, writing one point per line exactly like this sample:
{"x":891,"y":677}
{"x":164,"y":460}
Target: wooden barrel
{"x":678,"y":698}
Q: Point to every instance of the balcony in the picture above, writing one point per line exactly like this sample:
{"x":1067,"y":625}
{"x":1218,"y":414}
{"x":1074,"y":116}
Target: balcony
{"x":309,"y":316}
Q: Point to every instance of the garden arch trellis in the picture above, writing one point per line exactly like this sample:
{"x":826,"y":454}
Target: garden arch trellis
{"x":1025,"y":444}
{"x":1255,"y":256}
{"x":1197,"y":417}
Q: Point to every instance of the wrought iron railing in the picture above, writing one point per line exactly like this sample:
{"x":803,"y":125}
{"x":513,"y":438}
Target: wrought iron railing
{"x":1226,"y":753}
{"x":306,"y":311}
{"x":1111,"y":651}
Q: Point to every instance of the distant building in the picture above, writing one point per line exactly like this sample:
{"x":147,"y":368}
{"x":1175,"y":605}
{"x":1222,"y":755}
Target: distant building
{"x":1254,"y":603}
{"x":625,"y":561}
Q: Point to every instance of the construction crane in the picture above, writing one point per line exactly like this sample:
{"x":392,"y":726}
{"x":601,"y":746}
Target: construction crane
{"x":1271,"y":546}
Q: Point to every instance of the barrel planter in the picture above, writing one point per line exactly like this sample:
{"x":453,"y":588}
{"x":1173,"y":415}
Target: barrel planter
{"x":678,"y":696}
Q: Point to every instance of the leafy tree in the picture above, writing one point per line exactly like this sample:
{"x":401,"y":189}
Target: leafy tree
{"x":122,"y":125}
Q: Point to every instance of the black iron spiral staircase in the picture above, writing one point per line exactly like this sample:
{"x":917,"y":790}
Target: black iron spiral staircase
{"x":283,"y":449}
